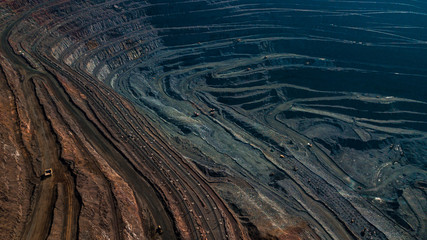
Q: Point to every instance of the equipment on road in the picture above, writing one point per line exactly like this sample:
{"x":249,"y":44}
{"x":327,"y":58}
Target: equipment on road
{"x":48,"y":172}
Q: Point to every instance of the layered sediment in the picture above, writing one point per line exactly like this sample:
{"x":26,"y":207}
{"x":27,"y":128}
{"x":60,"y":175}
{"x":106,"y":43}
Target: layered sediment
{"x":212,"y":119}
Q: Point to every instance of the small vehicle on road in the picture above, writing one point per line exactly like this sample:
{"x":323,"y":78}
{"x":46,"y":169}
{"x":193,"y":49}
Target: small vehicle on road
{"x":159,"y":230}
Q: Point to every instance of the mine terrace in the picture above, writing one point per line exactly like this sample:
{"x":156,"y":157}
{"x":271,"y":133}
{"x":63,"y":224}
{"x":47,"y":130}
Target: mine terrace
{"x":206,"y":119}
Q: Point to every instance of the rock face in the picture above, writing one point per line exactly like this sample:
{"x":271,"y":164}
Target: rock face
{"x":213,"y":120}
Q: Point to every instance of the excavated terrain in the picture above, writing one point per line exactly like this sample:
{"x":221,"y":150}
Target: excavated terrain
{"x":216,"y":119}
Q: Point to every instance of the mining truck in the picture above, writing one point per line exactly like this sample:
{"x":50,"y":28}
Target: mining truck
{"x":47,"y":172}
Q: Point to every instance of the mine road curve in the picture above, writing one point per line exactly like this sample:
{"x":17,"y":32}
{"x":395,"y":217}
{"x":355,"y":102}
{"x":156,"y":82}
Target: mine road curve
{"x":191,"y":188}
{"x":42,"y":208}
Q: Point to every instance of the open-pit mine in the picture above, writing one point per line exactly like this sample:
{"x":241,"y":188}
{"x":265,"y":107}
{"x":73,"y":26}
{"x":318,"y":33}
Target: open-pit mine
{"x":213,"y":119}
